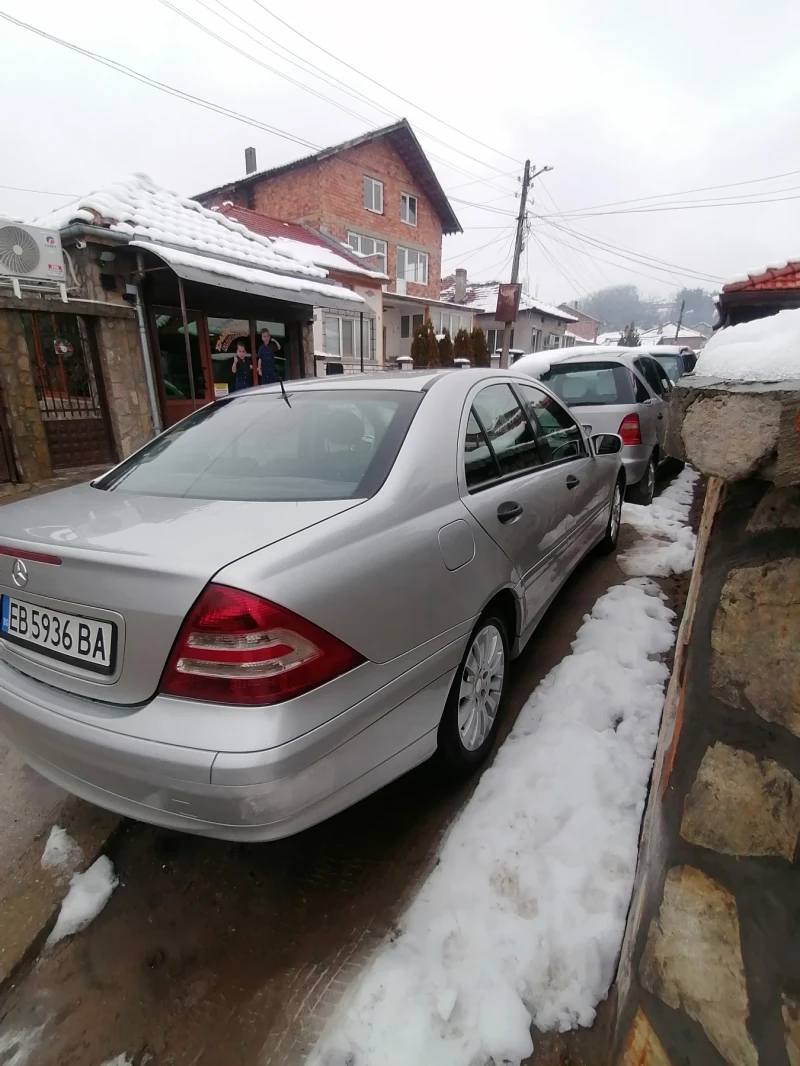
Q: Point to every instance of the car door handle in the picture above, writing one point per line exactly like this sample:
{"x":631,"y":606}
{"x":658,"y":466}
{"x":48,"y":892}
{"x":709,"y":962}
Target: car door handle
{"x":572,"y":481}
{"x":508,"y":511}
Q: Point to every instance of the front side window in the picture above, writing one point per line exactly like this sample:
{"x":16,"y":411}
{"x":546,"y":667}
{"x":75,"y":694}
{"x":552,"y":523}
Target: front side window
{"x":326,"y":446}
{"x":365,"y":245}
{"x":507,"y":429}
{"x":672,"y":365}
{"x":559,"y":432}
{"x":408,"y":208}
{"x":373,"y":195}
{"x":412,"y":265}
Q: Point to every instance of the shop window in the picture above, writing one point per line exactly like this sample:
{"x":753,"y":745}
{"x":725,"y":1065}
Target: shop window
{"x":342,"y":337}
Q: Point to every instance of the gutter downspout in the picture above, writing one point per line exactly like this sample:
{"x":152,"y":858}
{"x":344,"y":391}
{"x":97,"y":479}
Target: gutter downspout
{"x":155,"y":414}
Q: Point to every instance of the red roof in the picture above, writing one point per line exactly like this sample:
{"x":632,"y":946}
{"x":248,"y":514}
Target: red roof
{"x":271,"y":227}
{"x":771,"y":280}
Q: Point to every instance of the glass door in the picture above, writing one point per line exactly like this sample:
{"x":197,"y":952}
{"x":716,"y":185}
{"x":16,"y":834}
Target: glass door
{"x":184,"y":392}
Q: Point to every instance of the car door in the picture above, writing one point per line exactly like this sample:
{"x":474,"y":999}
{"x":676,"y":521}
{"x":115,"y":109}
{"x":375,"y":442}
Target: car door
{"x":564,"y":448}
{"x":520,"y":501}
{"x":658,"y":402}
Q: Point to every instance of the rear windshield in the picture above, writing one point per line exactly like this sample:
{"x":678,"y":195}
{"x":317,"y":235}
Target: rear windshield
{"x":325,"y":446}
{"x":590,"y":384}
{"x":672,"y":365}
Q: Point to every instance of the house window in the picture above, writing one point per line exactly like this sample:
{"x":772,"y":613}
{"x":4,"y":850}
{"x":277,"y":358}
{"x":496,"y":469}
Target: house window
{"x":408,"y":208}
{"x":342,"y":336}
{"x":494,"y":340}
{"x":359,"y":242}
{"x":535,"y":334}
{"x":412,"y":265}
{"x":417,"y":321}
{"x":373,"y":195}
{"x":444,"y":320}
{"x":405,"y":323}
{"x":552,"y":340}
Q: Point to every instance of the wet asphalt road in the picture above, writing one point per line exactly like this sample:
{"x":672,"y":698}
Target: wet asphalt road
{"x":211,"y":954}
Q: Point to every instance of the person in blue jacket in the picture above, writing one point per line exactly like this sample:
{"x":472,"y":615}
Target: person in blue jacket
{"x":242,"y":369}
{"x":267,"y":375}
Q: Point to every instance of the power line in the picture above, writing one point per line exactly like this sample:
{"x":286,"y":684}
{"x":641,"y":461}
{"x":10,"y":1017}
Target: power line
{"x":484,"y":207}
{"x":687,"y":192}
{"x":40,"y":192}
{"x":682,"y":207}
{"x":113,"y":64}
{"x":619,"y":266}
{"x":385,"y":88}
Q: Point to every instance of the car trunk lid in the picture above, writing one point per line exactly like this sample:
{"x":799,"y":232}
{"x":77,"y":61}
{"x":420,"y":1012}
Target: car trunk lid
{"x":136,"y":561}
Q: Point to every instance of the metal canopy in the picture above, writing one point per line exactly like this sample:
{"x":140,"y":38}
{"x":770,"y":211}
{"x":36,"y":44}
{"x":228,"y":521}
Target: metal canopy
{"x":301,"y":295}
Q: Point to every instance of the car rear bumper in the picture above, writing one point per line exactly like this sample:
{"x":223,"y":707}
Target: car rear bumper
{"x":251,"y":796}
{"x":635,"y":458}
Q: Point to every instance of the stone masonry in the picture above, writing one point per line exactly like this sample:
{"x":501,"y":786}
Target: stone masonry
{"x":710,"y":968}
{"x":22,"y":407}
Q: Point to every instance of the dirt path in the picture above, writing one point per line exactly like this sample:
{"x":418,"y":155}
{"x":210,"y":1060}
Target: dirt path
{"x":211,"y":954}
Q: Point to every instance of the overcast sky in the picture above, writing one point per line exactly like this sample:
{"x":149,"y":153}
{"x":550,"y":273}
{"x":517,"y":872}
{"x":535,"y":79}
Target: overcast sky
{"x":624,"y":99}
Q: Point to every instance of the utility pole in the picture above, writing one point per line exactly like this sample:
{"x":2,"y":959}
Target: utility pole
{"x":680,"y":320}
{"x":527,"y":178}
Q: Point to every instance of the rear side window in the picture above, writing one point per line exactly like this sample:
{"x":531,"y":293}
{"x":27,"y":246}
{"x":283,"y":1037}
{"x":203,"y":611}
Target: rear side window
{"x":480,"y":466}
{"x":320,"y":445}
{"x":590,"y":384}
{"x":560,"y":433}
{"x":507,"y":429}
{"x":647,"y":368}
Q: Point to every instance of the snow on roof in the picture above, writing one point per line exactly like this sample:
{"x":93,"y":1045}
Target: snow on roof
{"x":609,"y":338}
{"x":482,"y":298}
{"x":766,"y":349}
{"x":252,"y":275}
{"x":668,"y":330}
{"x":138,"y":208}
{"x":294,"y":240}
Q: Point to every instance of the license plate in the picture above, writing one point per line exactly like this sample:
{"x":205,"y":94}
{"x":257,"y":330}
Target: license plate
{"x":70,"y":638}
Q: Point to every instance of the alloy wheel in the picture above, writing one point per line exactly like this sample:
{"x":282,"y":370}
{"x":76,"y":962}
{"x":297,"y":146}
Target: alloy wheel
{"x":481,"y":687}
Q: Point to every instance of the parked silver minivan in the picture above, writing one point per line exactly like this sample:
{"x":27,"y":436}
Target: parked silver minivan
{"x":614,"y":390}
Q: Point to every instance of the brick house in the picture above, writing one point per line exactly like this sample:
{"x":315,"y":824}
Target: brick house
{"x":760,"y":293}
{"x":379,"y":195}
{"x":585,"y":327}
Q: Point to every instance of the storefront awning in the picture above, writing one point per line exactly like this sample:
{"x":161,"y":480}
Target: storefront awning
{"x":257,"y":282}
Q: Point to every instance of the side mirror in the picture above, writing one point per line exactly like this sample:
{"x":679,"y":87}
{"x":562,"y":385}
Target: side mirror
{"x":607,"y":443}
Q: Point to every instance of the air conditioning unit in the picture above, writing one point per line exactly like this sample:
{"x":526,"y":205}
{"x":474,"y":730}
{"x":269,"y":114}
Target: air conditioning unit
{"x":29,"y":253}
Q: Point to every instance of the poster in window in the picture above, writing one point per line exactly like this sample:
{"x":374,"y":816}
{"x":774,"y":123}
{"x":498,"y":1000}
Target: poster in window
{"x":508,"y":297}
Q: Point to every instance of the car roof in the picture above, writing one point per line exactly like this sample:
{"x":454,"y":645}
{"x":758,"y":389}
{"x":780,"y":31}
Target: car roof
{"x":385,"y":380}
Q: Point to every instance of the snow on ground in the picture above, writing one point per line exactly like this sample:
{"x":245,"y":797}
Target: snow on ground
{"x":522,"y":919}
{"x":61,"y":851}
{"x":119,"y":1060}
{"x":767,"y":349}
{"x":88,"y":894}
{"x":18,"y":1045}
{"x":668,"y":542}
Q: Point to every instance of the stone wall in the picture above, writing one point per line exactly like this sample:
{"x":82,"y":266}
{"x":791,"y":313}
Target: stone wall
{"x":22,"y":407}
{"x":710,"y":969}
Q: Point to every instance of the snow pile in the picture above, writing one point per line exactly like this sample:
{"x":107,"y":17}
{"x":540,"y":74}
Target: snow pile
{"x":247,"y":274}
{"x":18,"y":1045}
{"x":61,"y":851}
{"x":668,"y":542}
{"x":767,"y":349}
{"x":119,"y":1060}
{"x":139,"y":208}
{"x":88,"y":894}
{"x":522,"y":919}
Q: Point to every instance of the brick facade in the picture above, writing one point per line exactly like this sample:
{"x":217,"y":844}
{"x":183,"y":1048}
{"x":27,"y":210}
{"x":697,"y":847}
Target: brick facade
{"x":328,"y":194}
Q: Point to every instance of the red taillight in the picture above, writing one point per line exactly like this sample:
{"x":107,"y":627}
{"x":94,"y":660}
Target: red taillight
{"x":630,"y":429}
{"x":235,"y":647}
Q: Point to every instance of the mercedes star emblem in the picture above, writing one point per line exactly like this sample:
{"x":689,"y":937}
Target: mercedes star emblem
{"x":19,"y":574}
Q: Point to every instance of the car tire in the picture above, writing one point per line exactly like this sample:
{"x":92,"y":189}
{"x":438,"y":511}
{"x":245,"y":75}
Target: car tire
{"x":475,"y":702}
{"x":644,"y":489}
{"x":609,"y":542}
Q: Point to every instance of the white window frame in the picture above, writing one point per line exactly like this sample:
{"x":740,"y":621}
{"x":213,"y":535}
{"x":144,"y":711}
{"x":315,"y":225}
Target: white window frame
{"x":355,"y":325}
{"x":450,"y":321}
{"x":381,"y":248}
{"x":372,"y":184}
{"x":407,"y":274}
{"x":405,"y":205}
{"x":552,"y":342}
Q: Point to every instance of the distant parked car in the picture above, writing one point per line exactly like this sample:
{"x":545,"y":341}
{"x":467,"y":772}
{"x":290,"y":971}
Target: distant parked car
{"x":292,"y":597}
{"x":615,"y":390}
{"x":675,"y":360}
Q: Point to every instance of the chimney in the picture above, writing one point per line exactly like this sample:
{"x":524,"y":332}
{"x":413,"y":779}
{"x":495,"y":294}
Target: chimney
{"x":460,"y":286}
{"x":250,"y":161}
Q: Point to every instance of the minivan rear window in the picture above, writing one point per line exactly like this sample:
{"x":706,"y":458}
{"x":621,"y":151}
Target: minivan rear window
{"x":313,"y":445}
{"x":590,"y":384}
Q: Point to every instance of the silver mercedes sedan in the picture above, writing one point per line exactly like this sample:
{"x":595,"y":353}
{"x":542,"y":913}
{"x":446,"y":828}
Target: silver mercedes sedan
{"x":289,"y":599}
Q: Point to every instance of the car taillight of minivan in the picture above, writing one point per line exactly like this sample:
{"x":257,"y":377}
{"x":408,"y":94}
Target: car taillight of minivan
{"x":238,"y":648}
{"x":630,"y":429}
